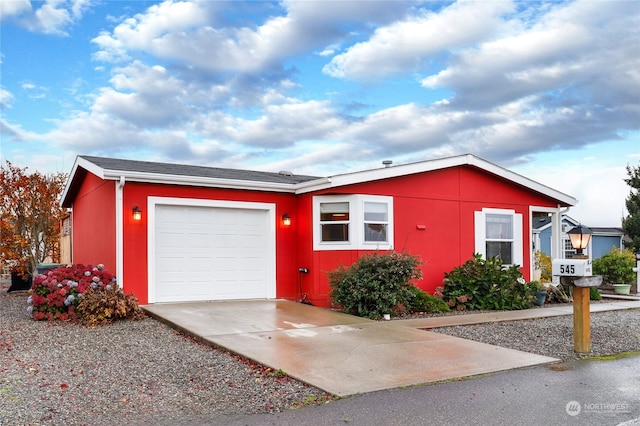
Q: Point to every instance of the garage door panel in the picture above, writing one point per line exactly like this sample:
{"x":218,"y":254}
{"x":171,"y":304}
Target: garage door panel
{"x":225,"y":241}
{"x":212,"y":253}
{"x":225,"y":217}
{"x":172,"y":264}
{"x":199,"y":265}
{"x":171,"y":239}
{"x":170,"y":216}
{"x":202,"y":241}
{"x":199,"y":215}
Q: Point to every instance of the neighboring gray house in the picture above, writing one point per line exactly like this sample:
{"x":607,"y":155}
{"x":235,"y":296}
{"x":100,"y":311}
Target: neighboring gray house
{"x":602,"y":239}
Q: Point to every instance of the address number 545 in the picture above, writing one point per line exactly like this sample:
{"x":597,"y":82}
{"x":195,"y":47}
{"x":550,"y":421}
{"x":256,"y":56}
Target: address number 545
{"x":568,"y":269}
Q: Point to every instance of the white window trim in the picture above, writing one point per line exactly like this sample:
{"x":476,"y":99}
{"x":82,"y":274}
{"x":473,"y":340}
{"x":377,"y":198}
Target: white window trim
{"x":480,"y":219}
{"x":356,"y":223}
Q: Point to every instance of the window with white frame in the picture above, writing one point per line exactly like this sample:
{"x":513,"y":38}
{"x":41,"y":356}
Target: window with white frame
{"x":334,"y":221}
{"x":376,"y":221}
{"x":344,"y":222}
{"x":498,"y":232}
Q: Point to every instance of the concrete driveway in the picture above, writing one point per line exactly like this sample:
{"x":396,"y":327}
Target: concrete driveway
{"x":339,"y":353}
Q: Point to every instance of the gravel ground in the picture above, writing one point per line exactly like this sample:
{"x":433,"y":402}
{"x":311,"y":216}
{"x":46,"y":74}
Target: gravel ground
{"x":612,"y":332}
{"x":131,"y":372}
{"x":143,"y":372}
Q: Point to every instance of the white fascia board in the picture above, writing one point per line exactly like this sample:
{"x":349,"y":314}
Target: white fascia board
{"x":313,"y":185}
{"x":199,"y":181}
{"x":521,"y":180}
{"x":80,"y":163}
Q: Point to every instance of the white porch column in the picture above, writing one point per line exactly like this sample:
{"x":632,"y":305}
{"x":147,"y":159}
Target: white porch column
{"x":119,"y":233}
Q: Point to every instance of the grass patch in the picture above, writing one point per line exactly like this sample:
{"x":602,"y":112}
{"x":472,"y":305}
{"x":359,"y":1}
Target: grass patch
{"x":613,"y":357}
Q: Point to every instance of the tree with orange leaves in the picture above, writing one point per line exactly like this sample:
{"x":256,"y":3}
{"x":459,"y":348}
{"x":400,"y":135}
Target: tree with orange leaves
{"x":30,"y":217}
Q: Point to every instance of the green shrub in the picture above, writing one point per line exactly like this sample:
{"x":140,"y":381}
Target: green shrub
{"x":424,"y":302}
{"x":594,"y":294}
{"x":376,"y":284}
{"x":616,"y":267}
{"x":486,"y":284}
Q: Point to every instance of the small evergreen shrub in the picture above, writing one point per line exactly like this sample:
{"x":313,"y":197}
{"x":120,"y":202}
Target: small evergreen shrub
{"x":376,"y":284}
{"x":424,"y":302}
{"x":486,"y":284}
{"x":594,"y":294}
{"x":616,"y":267}
{"x":58,"y":295}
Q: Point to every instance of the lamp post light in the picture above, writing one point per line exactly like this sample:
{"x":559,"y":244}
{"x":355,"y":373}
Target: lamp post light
{"x":580,"y":236}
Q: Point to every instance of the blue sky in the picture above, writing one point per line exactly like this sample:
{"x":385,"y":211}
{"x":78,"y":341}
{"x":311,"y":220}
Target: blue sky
{"x":550,"y":90}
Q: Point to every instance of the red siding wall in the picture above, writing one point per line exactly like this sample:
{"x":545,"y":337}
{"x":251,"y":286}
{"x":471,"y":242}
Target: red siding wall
{"x":94,"y":223}
{"x":433,"y":215}
{"x":135,"y":233}
{"x":442,"y":201}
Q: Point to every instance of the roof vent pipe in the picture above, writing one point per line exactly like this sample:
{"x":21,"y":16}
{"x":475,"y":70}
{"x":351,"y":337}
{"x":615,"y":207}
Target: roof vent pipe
{"x":387,"y":163}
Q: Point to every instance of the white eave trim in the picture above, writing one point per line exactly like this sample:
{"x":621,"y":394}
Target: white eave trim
{"x":199,"y":181}
{"x":521,"y":180}
{"x":88,"y":166}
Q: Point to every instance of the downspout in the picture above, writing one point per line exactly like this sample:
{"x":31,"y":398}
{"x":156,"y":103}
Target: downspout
{"x":119,"y":233}
{"x":556,"y":248}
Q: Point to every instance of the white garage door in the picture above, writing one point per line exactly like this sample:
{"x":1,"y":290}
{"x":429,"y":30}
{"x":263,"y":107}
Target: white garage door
{"x":212,"y":253}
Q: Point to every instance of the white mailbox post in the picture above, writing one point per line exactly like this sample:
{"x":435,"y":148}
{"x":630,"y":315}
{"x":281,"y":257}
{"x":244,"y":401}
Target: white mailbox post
{"x":578,"y":273}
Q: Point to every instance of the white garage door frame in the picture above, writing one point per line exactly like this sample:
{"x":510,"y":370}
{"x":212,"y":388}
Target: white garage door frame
{"x":269,"y":208}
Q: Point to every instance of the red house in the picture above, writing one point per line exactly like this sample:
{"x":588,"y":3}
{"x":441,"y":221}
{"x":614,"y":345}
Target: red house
{"x":174,"y":232}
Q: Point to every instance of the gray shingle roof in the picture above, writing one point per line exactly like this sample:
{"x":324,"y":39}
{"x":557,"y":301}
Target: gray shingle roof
{"x":198,"y":171}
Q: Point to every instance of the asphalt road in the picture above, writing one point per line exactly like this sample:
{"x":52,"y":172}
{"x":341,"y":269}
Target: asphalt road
{"x":587,"y":392}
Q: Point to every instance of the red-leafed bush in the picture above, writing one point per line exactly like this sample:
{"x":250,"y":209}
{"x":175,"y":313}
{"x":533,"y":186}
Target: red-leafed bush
{"x":57,"y":295}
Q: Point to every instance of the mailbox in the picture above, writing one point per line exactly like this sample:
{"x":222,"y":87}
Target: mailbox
{"x":572,"y":267}
{"x":579,"y":274}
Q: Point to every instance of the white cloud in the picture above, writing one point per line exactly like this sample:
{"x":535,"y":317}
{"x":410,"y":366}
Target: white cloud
{"x":52,"y":17}
{"x":6,"y":98}
{"x":288,"y":124}
{"x":11,"y":8}
{"x":100,"y":133}
{"x":193,"y":33}
{"x":599,"y":187}
{"x":144,"y":96}
{"x":410,"y":44}
{"x":564,"y":54}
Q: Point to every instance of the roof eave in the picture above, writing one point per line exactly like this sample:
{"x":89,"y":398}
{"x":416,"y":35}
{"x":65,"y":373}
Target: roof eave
{"x":72,"y":184}
{"x":563,"y":199}
{"x":313,"y":185}
{"x":165,"y":179}
{"x":430,"y":165}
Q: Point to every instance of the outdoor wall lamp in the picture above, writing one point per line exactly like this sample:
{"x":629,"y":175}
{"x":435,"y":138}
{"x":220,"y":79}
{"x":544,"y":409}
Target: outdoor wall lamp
{"x":136,"y":213}
{"x":286,"y":219}
{"x":580,"y":236}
